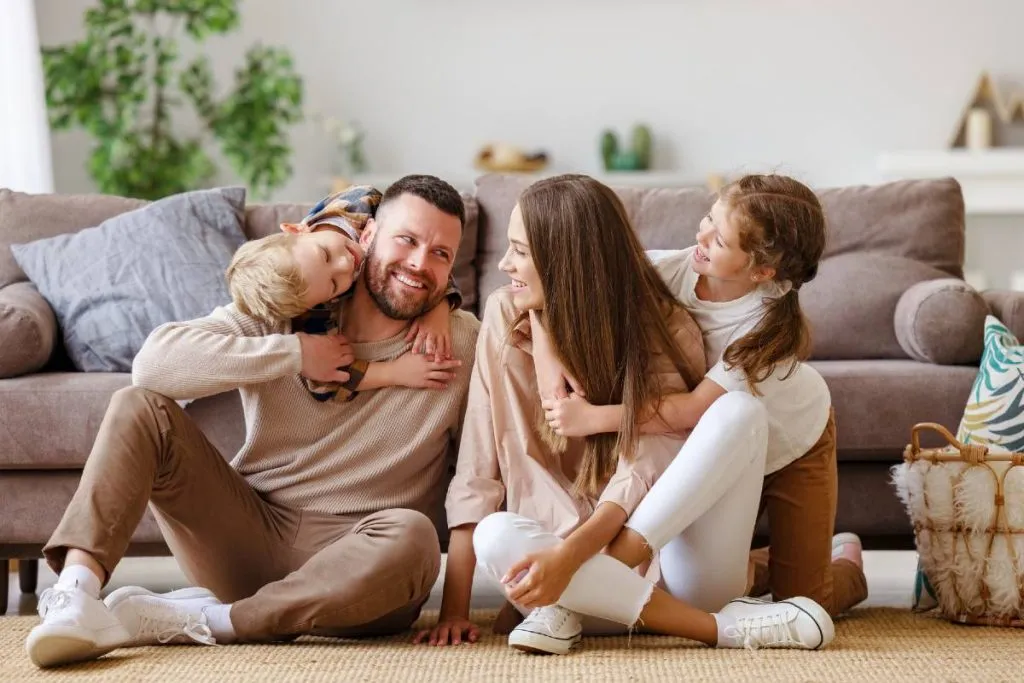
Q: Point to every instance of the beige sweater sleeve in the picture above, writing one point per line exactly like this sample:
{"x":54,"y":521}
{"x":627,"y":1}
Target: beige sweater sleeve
{"x":223,"y":351}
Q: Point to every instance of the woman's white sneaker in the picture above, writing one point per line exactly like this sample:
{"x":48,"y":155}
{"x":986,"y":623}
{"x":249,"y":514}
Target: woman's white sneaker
{"x":76,"y":627}
{"x":797,"y":623}
{"x":549,"y":630}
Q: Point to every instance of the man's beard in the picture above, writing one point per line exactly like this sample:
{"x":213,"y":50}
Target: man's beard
{"x":381,"y":287}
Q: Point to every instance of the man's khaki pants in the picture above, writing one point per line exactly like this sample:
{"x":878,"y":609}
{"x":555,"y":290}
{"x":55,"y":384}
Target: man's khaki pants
{"x":286,"y":572}
{"x":800,"y":500}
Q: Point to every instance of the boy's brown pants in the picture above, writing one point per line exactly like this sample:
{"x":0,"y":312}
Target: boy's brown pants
{"x":286,"y":572}
{"x":800,"y":500}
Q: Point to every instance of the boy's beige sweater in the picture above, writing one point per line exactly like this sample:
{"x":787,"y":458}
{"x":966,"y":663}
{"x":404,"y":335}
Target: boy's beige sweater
{"x":385,"y":449}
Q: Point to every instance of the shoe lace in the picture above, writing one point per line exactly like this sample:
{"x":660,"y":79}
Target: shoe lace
{"x":166,"y":626}
{"x":53,"y":599}
{"x":759,"y":631}
{"x":551,"y":618}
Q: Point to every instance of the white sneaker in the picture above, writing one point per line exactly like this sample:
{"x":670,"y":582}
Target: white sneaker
{"x":547,"y":630}
{"x":76,"y":627}
{"x":797,"y":623}
{"x":115,"y":598}
{"x":159,"y":619}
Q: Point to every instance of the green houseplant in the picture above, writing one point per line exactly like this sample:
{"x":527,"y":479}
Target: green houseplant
{"x":121,"y":85}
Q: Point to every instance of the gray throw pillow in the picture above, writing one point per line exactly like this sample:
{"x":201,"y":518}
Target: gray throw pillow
{"x":111,"y":285}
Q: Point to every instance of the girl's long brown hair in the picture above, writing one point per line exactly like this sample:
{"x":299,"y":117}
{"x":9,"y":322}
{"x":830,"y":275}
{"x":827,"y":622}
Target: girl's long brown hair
{"x":781,"y":226}
{"x":604,"y":308}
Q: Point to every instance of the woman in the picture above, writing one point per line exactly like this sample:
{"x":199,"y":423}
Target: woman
{"x":577,"y":265}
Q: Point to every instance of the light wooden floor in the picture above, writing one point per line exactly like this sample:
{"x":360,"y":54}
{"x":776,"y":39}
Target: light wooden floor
{"x":890,"y":581}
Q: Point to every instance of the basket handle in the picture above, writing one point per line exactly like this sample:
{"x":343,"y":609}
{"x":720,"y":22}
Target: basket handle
{"x":969,"y":452}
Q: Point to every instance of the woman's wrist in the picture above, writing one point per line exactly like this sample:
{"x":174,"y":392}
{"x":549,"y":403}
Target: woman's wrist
{"x":454,"y":607}
{"x":573,"y":552}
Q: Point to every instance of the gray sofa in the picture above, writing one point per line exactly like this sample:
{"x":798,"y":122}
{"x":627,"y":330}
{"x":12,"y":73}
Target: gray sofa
{"x":890,"y":275}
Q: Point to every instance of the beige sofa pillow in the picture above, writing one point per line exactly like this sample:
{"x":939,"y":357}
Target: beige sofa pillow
{"x":28,"y":330}
{"x":30,"y":217}
{"x":851,"y":304}
{"x":942,"y":322}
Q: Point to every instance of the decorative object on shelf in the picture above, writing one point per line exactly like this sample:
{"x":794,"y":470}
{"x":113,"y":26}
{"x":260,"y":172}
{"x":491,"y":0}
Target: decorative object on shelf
{"x":636,"y":158}
{"x":347,"y":137}
{"x":120,"y":85}
{"x":716,"y":182}
{"x":987,"y":117}
{"x":505,"y":158}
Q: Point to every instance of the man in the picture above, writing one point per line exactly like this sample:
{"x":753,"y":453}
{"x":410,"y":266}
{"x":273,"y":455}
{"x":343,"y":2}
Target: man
{"x":318,"y":522}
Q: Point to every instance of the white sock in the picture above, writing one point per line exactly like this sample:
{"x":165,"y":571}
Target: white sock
{"x":218,"y":618}
{"x":724,"y":622}
{"x":81,"y":576}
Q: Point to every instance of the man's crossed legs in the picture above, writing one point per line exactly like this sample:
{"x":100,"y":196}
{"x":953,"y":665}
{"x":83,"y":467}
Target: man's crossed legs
{"x":273,"y":573}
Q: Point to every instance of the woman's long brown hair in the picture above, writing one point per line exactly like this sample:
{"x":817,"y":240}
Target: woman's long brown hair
{"x":604,"y":308}
{"x":782,"y":226}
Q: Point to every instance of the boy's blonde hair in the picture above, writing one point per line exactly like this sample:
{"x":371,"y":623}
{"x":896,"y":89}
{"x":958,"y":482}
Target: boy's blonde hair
{"x":265,"y":280}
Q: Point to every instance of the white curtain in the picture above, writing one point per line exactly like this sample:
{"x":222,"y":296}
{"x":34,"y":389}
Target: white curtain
{"x":25,"y":162}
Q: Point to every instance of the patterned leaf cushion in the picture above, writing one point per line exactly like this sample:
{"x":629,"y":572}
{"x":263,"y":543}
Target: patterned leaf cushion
{"x":994,"y":416}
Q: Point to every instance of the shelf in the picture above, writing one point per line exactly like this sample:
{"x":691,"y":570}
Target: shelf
{"x":992,"y":180}
{"x":640,"y":179}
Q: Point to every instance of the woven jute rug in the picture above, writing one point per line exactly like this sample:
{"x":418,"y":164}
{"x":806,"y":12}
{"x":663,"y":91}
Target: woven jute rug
{"x":871,"y":645}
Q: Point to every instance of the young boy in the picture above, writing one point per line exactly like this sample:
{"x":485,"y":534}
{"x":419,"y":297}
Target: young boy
{"x":303,"y":274}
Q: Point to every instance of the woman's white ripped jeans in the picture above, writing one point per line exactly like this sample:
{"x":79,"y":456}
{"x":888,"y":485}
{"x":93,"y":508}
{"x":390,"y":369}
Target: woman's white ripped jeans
{"x":699,"y":515}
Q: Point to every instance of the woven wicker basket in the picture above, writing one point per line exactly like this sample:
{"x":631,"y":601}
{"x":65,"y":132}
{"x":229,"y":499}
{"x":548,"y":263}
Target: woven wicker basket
{"x":967,"y":508}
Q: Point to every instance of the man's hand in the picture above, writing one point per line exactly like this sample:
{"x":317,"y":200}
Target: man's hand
{"x":572,"y":417}
{"x":544,"y":577}
{"x":454,"y":630}
{"x":323,"y":356}
{"x":421,"y":372}
{"x":552,"y":379}
{"x":431,"y":333}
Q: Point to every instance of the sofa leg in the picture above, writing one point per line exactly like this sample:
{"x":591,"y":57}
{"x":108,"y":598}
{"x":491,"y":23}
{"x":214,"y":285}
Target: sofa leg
{"x":28,"y":576}
{"x":5,"y":574}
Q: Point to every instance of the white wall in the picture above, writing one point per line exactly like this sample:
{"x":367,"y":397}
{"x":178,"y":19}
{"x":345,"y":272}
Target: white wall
{"x":810,"y":87}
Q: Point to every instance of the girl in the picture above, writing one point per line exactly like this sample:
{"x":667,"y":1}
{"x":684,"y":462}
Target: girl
{"x":569,"y":240}
{"x":760,"y":242}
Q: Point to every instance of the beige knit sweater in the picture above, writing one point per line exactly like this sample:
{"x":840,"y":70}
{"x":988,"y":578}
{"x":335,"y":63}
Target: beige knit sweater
{"x":386,"y":448}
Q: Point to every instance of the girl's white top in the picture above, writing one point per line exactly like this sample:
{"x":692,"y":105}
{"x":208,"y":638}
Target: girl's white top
{"x":798,"y":406}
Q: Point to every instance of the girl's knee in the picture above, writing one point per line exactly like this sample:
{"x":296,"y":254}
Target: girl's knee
{"x":493,"y":534}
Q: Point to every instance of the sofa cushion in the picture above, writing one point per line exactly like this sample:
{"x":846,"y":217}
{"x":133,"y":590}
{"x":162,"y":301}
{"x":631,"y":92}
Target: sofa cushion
{"x":111,"y":285}
{"x":34,"y":502}
{"x":922,"y":220}
{"x":29,"y":217}
{"x":50,"y":420}
{"x":878,"y":402}
{"x":941,"y":321}
{"x":28,"y":330}
{"x":851,"y":304}
{"x":916,"y":227}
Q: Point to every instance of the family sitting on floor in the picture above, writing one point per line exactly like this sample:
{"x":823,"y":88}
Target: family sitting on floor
{"x":622,"y":419}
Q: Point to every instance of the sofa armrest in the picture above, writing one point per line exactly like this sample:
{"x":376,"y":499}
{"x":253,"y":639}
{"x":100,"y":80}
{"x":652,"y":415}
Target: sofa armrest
{"x":1008,"y":306}
{"x":28,"y":330}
